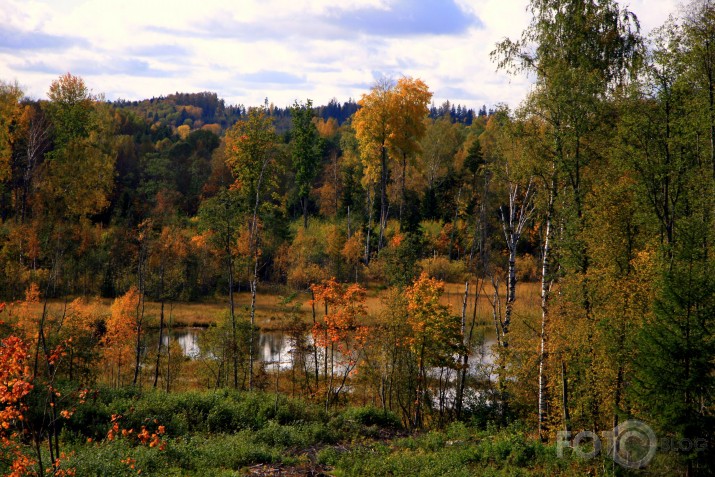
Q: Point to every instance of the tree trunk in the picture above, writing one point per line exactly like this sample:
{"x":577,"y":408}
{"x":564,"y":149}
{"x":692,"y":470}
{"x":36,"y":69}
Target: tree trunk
{"x":161,"y":327}
{"x":465,"y":354}
{"x":369,"y":204}
{"x":139,"y":313}
{"x":454,"y":223}
{"x":253,"y":245}
{"x":304,"y":203}
{"x":545,"y":290}
{"x":315,"y":347}
{"x":251,"y":358}
{"x":510,"y":290}
{"x":232,"y":312}
{"x":383,"y":196}
{"x":402,"y":185}
{"x":565,"y":398}
{"x":168,"y":349}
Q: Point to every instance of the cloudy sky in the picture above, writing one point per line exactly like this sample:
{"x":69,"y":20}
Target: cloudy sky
{"x":247,"y":50}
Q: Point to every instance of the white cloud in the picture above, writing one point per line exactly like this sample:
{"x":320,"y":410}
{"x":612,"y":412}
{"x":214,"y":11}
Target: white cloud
{"x":284,"y":49}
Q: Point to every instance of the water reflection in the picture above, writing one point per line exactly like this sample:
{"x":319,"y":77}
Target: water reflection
{"x":276,"y":348}
{"x":187,"y":338}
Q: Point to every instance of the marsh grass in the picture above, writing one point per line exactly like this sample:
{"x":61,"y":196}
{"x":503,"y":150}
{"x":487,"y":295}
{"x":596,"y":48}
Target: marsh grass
{"x":239,"y":433}
{"x":270,"y":313}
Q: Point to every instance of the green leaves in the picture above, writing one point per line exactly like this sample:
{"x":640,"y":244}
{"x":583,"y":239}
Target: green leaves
{"x":306,"y":147}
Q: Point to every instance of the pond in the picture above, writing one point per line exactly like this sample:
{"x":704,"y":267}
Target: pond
{"x":275,"y":348}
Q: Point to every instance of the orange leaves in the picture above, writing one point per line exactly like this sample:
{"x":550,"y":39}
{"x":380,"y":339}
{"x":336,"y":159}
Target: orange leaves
{"x":58,"y":471}
{"x":345,"y":306}
{"x":144,"y":437}
{"x":32,"y":294}
{"x":121,"y":329}
{"x":14,"y":386}
{"x":424,"y":294}
{"x":58,"y":352}
{"x":14,"y":378}
{"x":354,"y":248}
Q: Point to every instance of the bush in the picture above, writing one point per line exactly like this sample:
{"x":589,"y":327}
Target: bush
{"x":372,"y":416}
{"x":440,"y":267}
{"x":526,"y":268}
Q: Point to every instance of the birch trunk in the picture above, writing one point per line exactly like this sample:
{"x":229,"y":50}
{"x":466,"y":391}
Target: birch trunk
{"x":545,"y":290}
{"x":253,"y":244}
{"x":465,"y":354}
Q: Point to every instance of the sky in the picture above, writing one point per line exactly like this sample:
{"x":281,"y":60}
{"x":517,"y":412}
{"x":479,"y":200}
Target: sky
{"x":283,"y":50}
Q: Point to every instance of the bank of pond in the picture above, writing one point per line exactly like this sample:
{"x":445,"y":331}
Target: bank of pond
{"x":231,"y":433}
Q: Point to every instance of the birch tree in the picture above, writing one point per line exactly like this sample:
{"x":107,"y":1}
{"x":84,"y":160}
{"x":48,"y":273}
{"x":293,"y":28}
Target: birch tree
{"x":250,"y":151}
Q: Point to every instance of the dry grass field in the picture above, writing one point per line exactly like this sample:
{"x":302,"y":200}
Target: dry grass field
{"x":270,"y":313}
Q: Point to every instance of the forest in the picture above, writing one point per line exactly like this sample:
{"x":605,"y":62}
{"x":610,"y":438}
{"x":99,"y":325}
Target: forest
{"x":374,"y":287}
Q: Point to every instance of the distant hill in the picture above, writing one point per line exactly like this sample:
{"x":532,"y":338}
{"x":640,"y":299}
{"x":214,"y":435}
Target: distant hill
{"x":204,"y":109}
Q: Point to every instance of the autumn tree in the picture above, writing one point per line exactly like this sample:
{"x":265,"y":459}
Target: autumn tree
{"x":164,"y":261}
{"x":512,"y":170}
{"x":10,"y":96}
{"x":410,"y":103}
{"x":80,"y":169}
{"x":390,"y":120}
{"x":435,"y":336}
{"x":340,"y":332}
{"x":673,"y":369}
{"x":581,"y":53}
{"x":220,"y":216}
{"x":122,"y":333}
{"x":15,"y":385}
{"x":250,"y":151}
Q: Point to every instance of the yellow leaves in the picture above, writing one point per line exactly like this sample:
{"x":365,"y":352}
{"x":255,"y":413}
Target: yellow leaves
{"x":10,"y":95}
{"x":435,"y":331}
{"x":353,"y":249}
{"x":326,"y":129}
{"x":82,"y":314}
{"x":392,"y":116}
{"x":68,"y":89}
{"x":214,"y":128}
{"x":183,"y":131}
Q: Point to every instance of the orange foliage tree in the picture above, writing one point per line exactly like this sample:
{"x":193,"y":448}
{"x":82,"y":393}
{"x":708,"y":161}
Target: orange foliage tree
{"x":15,"y":377}
{"x":339,"y":333}
{"x":120,"y":334}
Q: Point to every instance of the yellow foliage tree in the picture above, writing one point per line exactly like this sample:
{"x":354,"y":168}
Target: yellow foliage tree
{"x":390,"y":122}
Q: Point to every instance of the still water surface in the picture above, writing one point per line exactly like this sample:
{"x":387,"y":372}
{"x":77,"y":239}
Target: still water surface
{"x":275,"y":347}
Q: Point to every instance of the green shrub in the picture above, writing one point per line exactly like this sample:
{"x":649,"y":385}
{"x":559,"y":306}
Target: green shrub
{"x":372,"y":416}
